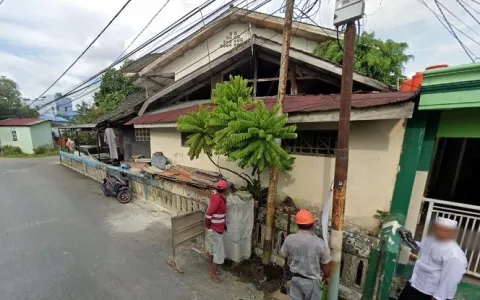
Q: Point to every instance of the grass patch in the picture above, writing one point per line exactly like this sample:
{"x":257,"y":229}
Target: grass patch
{"x":8,"y":151}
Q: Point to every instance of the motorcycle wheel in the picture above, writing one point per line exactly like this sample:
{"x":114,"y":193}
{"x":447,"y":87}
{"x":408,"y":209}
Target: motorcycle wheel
{"x":124,"y":196}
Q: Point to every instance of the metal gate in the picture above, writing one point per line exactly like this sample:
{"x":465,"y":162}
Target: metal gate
{"x":468,"y":218}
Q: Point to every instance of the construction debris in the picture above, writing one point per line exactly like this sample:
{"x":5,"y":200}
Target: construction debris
{"x":190,"y":176}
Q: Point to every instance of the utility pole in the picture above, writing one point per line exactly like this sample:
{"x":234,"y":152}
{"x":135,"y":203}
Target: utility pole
{"x":341,"y":161}
{"x":346,"y":13}
{"x":282,"y":88}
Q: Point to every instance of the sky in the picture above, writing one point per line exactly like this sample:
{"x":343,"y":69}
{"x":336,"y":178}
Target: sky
{"x":39,"y":39}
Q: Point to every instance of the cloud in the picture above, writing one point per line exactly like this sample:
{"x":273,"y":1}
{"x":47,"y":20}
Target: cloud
{"x":39,"y":39}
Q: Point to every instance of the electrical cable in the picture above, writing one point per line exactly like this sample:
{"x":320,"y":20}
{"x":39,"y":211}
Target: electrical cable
{"x":467,"y":51}
{"x":157,"y":36}
{"x":460,"y":20}
{"x":448,"y":28}
{"x":116,"y":62}
{"x":378,"y":8}
{"x":144,"y":28}
{"x":163,"y":32}
{"x":170,"y":95}
{"x":470,"y":7}
{"x":86,"y":49}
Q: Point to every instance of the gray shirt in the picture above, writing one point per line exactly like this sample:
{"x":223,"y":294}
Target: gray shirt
{"x":305,"y":252}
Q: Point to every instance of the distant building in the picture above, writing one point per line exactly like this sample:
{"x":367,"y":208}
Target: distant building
{"x":26,"y":133}
{"x":48,"y":105}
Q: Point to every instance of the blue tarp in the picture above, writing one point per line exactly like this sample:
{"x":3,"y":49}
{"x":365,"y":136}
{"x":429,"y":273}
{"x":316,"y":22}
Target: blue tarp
{"x":53,"y":118}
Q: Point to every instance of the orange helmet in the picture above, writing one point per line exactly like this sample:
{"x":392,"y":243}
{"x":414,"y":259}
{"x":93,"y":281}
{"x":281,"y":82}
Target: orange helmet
{"x":304,"y":217}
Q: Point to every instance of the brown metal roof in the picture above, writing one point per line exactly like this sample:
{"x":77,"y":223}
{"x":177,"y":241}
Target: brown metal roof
{"x":293,"y":105}
{"x":21,"y":122}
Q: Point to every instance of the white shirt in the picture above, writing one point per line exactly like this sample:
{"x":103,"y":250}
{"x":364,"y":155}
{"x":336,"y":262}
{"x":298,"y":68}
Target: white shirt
{"x":439,"y":268}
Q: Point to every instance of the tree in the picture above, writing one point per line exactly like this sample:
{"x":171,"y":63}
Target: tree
{"x":11,"y":105}
{"x":241,"y":129}
{"x":114,"y":88}
{"x":382,"y":60}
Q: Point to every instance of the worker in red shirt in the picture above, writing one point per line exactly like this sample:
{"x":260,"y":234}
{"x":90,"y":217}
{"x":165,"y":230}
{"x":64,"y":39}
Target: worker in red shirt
{"x":216,"y":225}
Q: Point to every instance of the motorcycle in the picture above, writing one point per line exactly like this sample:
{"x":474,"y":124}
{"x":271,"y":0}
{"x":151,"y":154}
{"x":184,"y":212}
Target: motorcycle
{"x":117,"y":186}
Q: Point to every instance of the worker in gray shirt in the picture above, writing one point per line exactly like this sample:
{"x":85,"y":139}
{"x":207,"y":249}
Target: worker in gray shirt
{"x":307,"y":254}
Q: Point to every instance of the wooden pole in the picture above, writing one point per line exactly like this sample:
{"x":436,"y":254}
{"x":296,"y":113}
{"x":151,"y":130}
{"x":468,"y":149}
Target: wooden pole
{"x":341,"y":161}
{"x":282,"y":87}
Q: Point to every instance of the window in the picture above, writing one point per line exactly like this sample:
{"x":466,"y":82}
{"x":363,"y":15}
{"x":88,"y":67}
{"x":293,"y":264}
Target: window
{"x":66,"y":109}
{"x":313,"y":142}
{"x":14,"y":136}
{"x":142,"y":134}
{"x":184,"y":137}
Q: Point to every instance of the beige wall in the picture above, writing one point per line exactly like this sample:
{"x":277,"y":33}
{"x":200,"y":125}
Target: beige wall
{"x":375,"y":151}
{"x":198,"y":56}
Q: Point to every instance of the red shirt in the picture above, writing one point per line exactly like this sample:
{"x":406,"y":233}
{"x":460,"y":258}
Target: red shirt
{"x":215,"y":215}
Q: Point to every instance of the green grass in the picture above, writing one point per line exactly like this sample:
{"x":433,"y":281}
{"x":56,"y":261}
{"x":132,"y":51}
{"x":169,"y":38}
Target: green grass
{"x":24,"y":155}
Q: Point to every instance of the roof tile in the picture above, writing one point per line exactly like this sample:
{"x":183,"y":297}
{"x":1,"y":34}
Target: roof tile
{"x":21,"y":122}
{"x":293,"y":104}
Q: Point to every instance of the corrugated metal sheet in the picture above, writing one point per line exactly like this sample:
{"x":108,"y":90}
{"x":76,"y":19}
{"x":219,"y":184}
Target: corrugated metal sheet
{"x":186,"y":175}
{"x":293,"y":104}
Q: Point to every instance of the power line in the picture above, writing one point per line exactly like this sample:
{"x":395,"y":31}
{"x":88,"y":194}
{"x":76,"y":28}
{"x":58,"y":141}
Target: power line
{"x":84,"y":51}
{"x":459,"y":19}
{"x":160,"y":34}
{"x":449,"y":28}
{"x":144,"y":28}
{"x":191,"y":13}
{"x":469,"y":12}
{"x":467,"y":51}
{"x":152,"y":39}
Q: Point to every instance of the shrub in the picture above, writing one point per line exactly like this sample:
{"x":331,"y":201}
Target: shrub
{"x":10,"y":150}
{"x":44,"y":149}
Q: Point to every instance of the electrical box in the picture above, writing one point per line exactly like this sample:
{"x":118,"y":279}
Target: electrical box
{"x":347,"y":11}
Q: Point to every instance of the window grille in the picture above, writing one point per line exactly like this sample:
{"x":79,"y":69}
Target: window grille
{"x":313,"y":142}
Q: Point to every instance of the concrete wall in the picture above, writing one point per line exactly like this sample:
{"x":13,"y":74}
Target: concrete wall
{"x":166,"y":193}
{"x":356,"y":248}
{"x":41,"y":134}
{"x":198,"y":57}
{"x":375,"y":151}
{"x":131,"y":146}
{"x":24,"y":139}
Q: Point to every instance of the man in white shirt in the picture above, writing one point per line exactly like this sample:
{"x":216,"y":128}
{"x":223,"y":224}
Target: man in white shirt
{"x":440,"y":266}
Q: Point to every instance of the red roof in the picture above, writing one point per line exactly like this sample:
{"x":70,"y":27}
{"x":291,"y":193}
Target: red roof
{"x":20,"y":122}
{"x":293,"y":104}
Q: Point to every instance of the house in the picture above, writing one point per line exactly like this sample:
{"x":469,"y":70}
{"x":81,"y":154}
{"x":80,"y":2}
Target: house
{"x":27,"y":133}
{"x":438,"y":171}
{"x":250,"y":47}
{"x":247,"y":43}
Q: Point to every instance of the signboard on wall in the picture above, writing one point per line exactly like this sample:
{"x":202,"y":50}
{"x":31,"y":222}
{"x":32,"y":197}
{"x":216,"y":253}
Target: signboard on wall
{"x":347,"y":11}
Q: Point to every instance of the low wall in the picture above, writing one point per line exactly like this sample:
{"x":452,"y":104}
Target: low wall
{"x":357,"y":247}
{"x":357,"y":250}
{"x":169,"y":194}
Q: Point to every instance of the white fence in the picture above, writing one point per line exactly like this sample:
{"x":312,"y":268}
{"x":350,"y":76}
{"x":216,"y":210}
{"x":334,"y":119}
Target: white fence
{"x":468,"y":218}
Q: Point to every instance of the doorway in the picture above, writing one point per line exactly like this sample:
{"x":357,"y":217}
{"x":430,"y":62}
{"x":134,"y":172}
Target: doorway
{"x":455,"y":174}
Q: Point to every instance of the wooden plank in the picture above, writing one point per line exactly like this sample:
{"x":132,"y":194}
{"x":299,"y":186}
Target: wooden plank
{"x":292,"y":75}
{"x":190,"y":77}
{"x":255,"y":73}
{"x":387,"y":112}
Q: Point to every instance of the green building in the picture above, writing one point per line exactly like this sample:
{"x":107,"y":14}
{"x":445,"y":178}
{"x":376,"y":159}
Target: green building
{"x":26,"y":133}
{"x":439,"y":175}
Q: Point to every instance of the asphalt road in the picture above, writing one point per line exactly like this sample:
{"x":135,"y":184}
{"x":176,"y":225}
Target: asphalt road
{"x":62,"y":239}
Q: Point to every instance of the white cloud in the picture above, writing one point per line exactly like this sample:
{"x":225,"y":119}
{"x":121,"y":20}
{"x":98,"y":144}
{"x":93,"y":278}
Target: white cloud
{"x":40,"y":38}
